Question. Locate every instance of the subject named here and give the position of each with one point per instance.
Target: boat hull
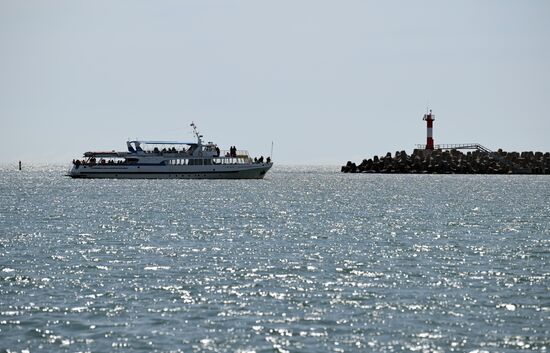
(256, 171)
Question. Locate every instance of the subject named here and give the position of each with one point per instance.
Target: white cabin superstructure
(171, 159)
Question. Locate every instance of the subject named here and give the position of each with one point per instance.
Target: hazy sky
(327, 81)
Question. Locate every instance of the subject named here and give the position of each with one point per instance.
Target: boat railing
(238, 154)
(101, 162)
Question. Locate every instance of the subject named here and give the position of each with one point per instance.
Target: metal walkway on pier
(474, 146)
(459, 146)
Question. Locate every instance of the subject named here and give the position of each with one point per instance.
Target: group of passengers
(261, 159)
(93, 161)
(167, 150)
(232, 151)
(78, 162)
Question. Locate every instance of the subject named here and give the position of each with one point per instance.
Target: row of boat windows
(210, 161)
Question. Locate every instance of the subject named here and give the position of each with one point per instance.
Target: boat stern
(74, 171)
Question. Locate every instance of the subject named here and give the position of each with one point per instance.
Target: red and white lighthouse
(429, 123)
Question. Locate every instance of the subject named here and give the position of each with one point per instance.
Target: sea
(306, 260)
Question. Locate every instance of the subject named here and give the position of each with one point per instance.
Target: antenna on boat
(196, 132)
(271, 155)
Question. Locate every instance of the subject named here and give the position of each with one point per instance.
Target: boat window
(207, 162)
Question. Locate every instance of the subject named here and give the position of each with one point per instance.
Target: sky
(325, 81)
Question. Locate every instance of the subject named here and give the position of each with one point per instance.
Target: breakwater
(454, 162)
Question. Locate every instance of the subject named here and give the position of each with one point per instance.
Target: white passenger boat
(171, 159)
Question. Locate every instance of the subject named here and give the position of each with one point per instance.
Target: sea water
(306, 260)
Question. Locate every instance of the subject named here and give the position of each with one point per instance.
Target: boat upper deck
(171, 152)
(165, 152)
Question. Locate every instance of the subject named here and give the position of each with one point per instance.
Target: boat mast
(196, 132)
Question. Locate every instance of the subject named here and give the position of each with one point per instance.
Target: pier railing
(473, 146)
(459, 146)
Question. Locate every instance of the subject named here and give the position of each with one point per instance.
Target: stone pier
(454, 162)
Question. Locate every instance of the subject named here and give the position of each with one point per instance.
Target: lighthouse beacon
(429, 118)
